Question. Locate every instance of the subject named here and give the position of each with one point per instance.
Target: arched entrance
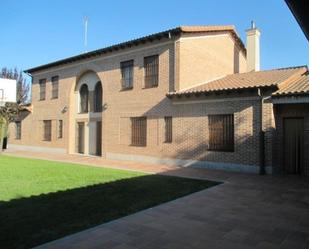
(88, 99)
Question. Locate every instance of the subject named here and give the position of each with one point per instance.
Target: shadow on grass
(28, 222)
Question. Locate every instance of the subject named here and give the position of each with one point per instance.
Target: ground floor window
(60, 129)
(221, 132)
(99, 138)
(81, 137)
(168, 129)
(47, 130)
(139, 131)
(17, 130)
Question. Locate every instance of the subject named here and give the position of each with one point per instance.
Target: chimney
(253, 48)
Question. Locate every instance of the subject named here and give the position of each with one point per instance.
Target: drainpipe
(262, 170)
(262, 137)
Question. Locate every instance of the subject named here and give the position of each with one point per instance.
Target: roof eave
(169, 34)
(291, 94)
(95, 53)
(219, 91)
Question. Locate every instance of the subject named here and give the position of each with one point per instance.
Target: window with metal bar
(55, 86)
(97, 97)
(17, 130)
(151, 67)
(139, 131)
(47, 129)
(221, 132)
(42, 84)
(60, 128)
(168, 129)
(83, 92)
(127, 74)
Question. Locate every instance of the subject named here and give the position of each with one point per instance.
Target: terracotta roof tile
(127, 44)
(299, 86)
(207, 28)
(247, 80)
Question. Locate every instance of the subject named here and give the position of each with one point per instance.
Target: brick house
(191, 96)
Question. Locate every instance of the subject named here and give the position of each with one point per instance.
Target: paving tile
(245, 212)
(266, 245)
(288, 244)
(296, 240)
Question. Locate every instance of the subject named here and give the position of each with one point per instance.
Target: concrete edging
(188, 163)
(36, 148)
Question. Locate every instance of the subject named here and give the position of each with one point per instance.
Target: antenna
(86, 33)
(252, 25)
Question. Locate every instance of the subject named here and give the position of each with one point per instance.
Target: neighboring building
(192, 95)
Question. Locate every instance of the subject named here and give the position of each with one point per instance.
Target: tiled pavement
(90, 160)
(245, 212)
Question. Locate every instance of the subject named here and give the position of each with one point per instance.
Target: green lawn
(20, 177)
(42, 200)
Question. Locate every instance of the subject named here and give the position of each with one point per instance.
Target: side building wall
(209, 56)
(53, 109)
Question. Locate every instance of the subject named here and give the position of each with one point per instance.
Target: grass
(41, 200)
(20, 177)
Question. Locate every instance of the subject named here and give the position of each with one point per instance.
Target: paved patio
(89, 160)
(245, 212)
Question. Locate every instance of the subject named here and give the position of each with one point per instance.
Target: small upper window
(42, 83)
(83, 92)
(127, 74)
(221, 132)
(55, 86)
(97, 97)
(151, 67)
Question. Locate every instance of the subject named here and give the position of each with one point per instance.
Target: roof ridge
(283, 68)
(287, 68)
(207, 26)
(268, 70)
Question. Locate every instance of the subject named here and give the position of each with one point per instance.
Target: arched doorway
(88, 95)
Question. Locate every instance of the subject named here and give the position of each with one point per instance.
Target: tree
(10, 111)
(23, 88)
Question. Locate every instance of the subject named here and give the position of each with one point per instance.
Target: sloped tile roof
(299, 86)
(207, 28)
(247, 80)
(149, 38)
